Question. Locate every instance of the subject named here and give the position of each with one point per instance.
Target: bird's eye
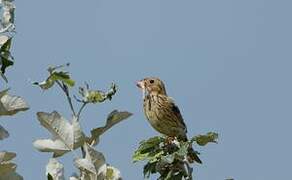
(151, 81)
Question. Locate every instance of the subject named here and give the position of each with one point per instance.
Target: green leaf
(97, 96)
(183, 150)
(5, 63)
(155, 156)
(6, 56)
(138, 156)
(64, 77)
(54, 76)
(149, 168)
(149, 149)
(168, 159)
(92, 96)
(45, 84)
(202, 140)
(147, 145)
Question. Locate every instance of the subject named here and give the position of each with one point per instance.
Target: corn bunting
(162, 113)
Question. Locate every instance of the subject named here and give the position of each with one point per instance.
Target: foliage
(68, 136)
(9, 105)
(6, 35)
(56, 76)
(168, 157)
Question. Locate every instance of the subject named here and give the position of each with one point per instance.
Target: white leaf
(93, 165)
(73, 178)
(10, 105)
(3, 133)
(78, 135)
(70, 134)
(48, 145)
(55, 169)
(8, 13)
(85, 165)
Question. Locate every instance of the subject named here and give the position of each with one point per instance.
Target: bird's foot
(169, 140)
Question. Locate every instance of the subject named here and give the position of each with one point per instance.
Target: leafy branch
(68, 136)
(169, 158)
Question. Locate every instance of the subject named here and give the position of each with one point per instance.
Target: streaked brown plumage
(161, 111)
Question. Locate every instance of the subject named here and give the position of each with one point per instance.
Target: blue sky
(226, 63)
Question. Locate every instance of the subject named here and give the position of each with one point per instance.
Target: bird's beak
(140, 84)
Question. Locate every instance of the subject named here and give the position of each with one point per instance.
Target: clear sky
(227, 64)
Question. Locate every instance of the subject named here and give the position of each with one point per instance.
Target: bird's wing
(174, 112)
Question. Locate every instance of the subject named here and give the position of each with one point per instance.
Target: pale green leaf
(113, 173)
(96, 96)
(202, 140)
(47, 84)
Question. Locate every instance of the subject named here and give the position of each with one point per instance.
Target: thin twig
(80, 110)
(66, 91)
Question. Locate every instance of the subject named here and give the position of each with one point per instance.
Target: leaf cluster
(169, 157)
(9, 105)
(55, 75)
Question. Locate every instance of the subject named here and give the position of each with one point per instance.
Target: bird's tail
(192, 154)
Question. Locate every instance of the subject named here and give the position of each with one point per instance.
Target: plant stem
(66, 91)
(80, 110)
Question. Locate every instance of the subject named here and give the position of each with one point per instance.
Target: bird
(162, 113)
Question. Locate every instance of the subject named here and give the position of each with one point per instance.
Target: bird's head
(152, 85)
